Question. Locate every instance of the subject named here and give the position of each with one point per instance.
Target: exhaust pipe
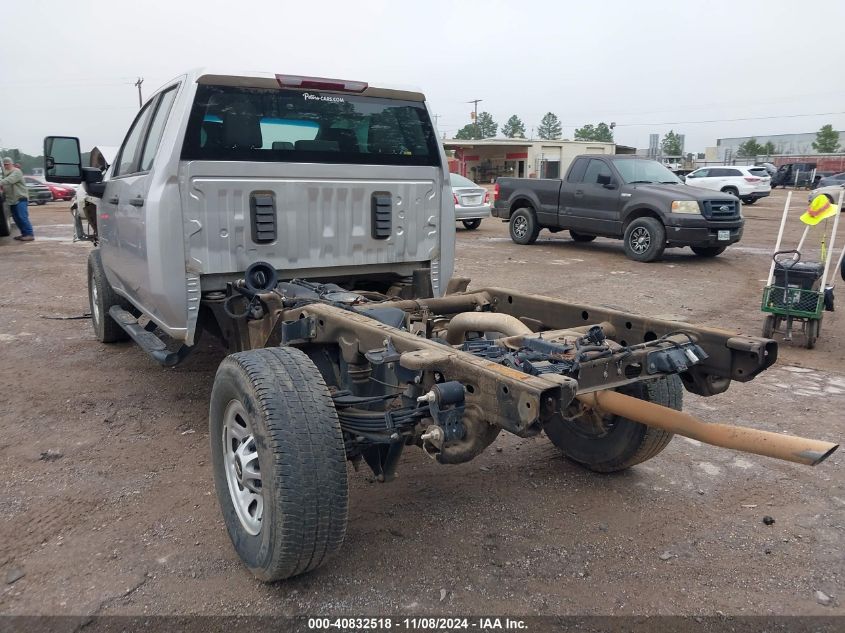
(788, 447)
(483, 322)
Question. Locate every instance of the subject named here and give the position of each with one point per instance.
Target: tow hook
(446, 405)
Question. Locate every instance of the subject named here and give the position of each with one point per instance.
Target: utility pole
(475, 115)
(436, 119)
(138, 85)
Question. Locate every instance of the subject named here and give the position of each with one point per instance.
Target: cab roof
(269, 80)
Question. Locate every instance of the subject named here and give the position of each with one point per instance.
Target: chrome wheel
(640, 240)
(243, 473)
(520, 227)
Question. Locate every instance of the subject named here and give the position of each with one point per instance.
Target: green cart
(795, 296)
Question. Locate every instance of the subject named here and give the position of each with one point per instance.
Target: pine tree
(549, 128)
(514, 128)
(827, 140)
(671, 144)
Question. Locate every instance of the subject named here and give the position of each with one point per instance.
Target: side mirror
(93, 179)
(62, 160)
(605, 181)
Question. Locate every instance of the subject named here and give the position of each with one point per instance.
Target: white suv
(749, 184)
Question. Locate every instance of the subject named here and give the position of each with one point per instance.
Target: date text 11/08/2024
(417, 624)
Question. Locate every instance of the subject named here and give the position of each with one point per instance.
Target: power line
(750, 118)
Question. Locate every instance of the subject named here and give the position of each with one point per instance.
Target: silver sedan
(472, 203)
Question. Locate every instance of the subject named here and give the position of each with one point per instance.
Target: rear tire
(769, 326)
(645, 239)
(471, 225)
(279, 461)
(581, 237)
(626, 442)
(523, 227)
(733, 191)
(708, 251)
(101, 297)
(812, 327)
(749, 201)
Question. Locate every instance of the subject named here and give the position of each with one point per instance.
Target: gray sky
(69, 69)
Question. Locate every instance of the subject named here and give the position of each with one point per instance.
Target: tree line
(549, 128)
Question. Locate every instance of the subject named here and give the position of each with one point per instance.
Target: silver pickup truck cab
(323, 179)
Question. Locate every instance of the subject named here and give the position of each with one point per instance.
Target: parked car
(832, 179)
(472, 203)
(39, 193)
(749, 184)
(831, 191)
(633, 199)
(57, 192)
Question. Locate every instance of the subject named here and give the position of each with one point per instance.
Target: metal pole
(803, 237)
(832, 239)
(475, 102)
(780, 236)
(138, 85)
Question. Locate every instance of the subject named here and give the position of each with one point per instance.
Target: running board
(147, 340)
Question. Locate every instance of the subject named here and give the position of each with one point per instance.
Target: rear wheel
(523, 226)
(731, 190)
(812, 327)
(749, 200)
(471, 225)
(608, 443)
(708, 251)
(581, 237)
(769, 326)
(101, 297)
(279, 461)
(645, 239)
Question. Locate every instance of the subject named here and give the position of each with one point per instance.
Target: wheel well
(730, 189)
(519, 204)
(636, 214)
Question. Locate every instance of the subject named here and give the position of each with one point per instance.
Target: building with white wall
(485, 160)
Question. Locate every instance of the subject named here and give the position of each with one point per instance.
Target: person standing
(17, 197)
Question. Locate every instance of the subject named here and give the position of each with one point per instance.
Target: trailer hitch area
(446, 404)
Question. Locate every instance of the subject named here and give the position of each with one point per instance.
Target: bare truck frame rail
(579, 354)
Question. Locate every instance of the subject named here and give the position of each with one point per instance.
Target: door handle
(579, 193)
(114, 200)
(137, 202)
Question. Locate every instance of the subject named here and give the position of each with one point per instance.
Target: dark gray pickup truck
(623, 197)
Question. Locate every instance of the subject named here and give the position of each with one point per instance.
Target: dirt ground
(107, 502)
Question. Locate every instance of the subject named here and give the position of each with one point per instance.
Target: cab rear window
(252, 124)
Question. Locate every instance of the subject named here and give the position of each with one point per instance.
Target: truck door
(596, 201)
(566, 203)
(126, 194)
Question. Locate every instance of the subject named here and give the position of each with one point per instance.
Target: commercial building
(485, 160)
(785, 144)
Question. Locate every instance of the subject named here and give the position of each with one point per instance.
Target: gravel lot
(107, 503)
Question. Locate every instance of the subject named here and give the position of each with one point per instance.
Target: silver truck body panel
(184, 227)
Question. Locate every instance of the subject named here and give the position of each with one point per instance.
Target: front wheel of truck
(645, 239)
(608, 443)
(101, 297)
(279, 461)
(523, 226)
